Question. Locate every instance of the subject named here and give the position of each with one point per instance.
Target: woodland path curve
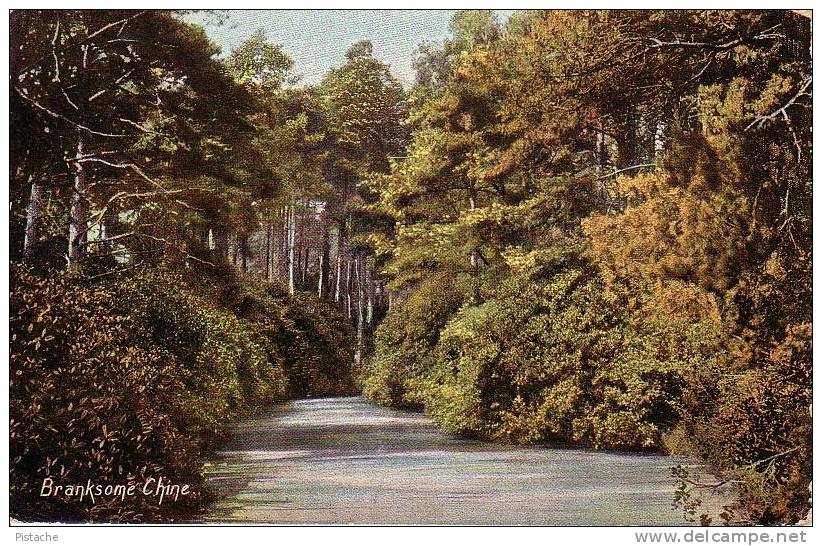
(344, 461)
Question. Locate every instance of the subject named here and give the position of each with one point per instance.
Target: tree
(124, 108)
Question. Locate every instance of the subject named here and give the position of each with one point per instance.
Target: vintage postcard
(410, 267)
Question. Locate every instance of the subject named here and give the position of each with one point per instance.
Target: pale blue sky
(318, 39)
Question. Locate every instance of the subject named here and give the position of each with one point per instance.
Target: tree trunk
(291, 248)
(369, 291)
(34, 214)
(268, 229)
(627, 142)
(322, 282)
(348, 286)
(338, 287)
(306, 257)
(221, 241)
(360, 319)
(231, 248)
(243, 246)
(282, 263)
(78, 221)
(333, 245)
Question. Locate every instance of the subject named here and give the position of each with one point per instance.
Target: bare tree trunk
(34, 213)
(659, 139)
(231, 248)
(268, 229)
(333, 245)
(348, 285)
(243, 246)
(369, 291)
(291, 248)
(627, 142)
(304, 269)
(360, 320)
(338, 287)
(221, 241)
(472, 203)
(282, 263)
(78, 221)
(322, 282)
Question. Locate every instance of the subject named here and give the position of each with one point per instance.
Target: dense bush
(311, 339)
(406, 338)
(227, 368)
(754, 429)
(547, 358)
(91, 398)
(134, 377)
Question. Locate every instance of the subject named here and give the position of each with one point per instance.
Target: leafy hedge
(135, 377)
(406, 338)
(91, 398)
(547, 359)
(551, 356)
(309, 337)
(226, 367)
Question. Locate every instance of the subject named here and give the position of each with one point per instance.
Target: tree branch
(631, 168)
(761, 119)
(64, 118)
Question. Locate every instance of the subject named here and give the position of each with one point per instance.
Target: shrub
(225, 366)
(548, 359)
(757, 432)
(91, 399)
(310, 339)
(132, 378)
(405, 339)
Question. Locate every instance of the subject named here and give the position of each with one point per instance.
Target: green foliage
(366, 106)
(310, 339)
(259, 62)
(548, 360)
(134, 377)
(92, 398)
(628, 197)
(596, 226)
(405, 339)
(226, 365)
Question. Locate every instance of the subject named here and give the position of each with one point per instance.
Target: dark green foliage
(226, 366)
(405, 339)
(134, 377)
(91, 398)
(545, 359)
(313, 340)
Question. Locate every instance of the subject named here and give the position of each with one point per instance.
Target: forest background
(581, 228)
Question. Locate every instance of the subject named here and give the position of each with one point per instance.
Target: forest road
(343, 461)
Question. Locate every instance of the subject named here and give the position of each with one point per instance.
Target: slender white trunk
(321, 279)
(348, 285)
(369, 290)
(360, 320)
(34, 213)
(291, 249)
(78, 221)
(338, 287)
(268, 269)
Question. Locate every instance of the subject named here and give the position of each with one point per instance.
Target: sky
(317, 39)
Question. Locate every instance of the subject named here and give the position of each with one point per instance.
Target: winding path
(341, 460)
